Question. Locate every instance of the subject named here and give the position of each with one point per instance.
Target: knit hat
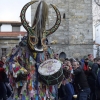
(85, 57)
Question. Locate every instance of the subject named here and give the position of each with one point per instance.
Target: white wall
(97, 34)
(6, 28)
(96, 38)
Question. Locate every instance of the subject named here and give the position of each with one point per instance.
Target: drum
(51, 72)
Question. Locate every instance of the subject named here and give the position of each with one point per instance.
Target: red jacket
(1, 70)
(1, 74)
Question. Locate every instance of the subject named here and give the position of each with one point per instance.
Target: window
(4, 51)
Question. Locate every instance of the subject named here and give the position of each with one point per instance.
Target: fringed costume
(34, 73)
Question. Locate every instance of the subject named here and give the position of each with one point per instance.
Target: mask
(37, 34)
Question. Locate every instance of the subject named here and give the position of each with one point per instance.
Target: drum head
(49, 67)
(50, 72)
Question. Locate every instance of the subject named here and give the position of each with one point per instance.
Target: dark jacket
(94, 70)
(80, 78)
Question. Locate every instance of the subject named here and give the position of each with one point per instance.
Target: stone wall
(74, 36)
(8, 44)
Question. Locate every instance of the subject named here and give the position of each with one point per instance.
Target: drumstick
(59, 85)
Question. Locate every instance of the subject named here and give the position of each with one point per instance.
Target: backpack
(98, 78)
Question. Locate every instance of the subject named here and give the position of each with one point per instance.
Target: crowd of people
(81, 79)
(5, 87)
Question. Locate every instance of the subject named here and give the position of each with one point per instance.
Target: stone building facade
(9, 38)
(75, 34)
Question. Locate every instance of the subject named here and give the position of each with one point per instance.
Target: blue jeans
(3, 91)
(84, 93)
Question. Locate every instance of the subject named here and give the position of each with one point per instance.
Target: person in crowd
(95, 67)
(91, 60)
(86, 67)
(61, 90)
(56, 56)
(81, 80)
(72, 60)
(95, 60)
(66, 90)
(3, 90)
(82, 63)
(93, 82)
(3, 59)
(67, 86)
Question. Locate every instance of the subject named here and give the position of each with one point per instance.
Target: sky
(10, 10)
